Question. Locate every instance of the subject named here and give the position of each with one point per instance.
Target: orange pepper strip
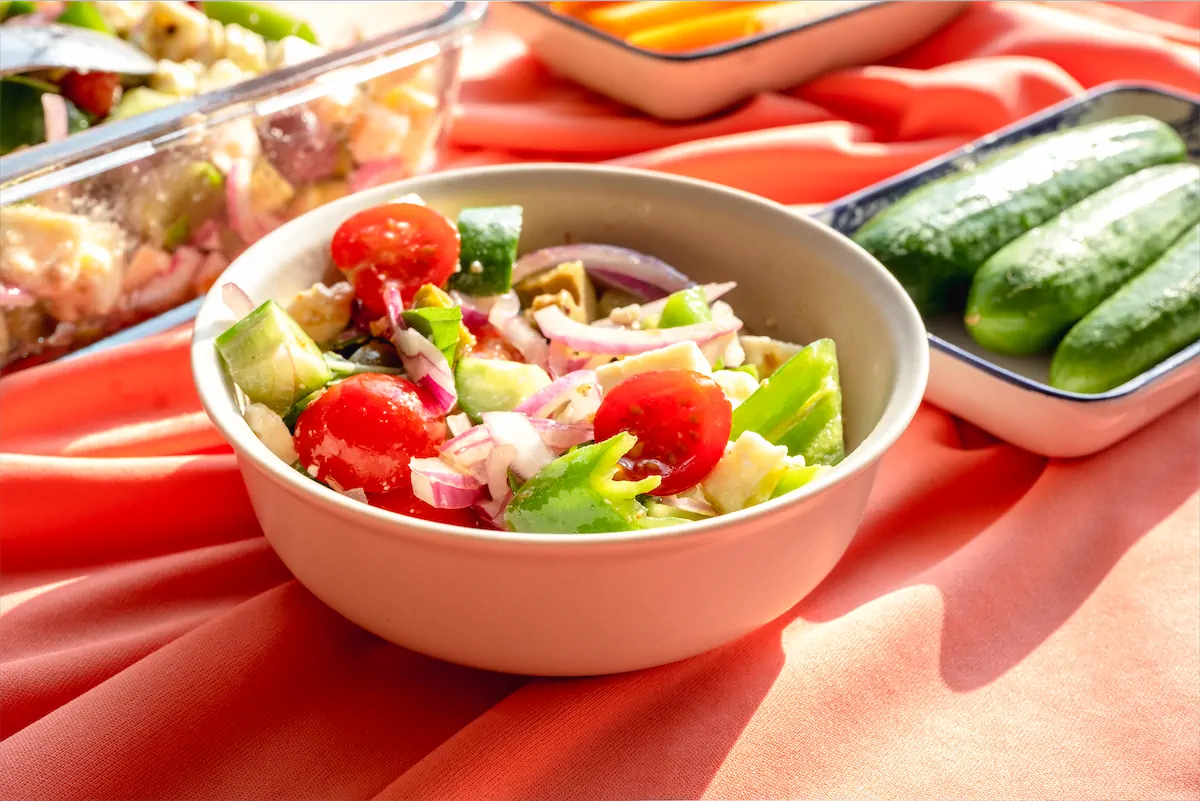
(622, 19)
(576, 9)
(739, 23)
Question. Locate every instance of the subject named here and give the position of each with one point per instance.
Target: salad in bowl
(581, 388)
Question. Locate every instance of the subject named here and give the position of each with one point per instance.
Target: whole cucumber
(934, 239)
(1153, 316)
(1026, 296)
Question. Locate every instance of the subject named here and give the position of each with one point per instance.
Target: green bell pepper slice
(439, 326)
(799, 406)
(267, 22)
(578, 494)
(84, 14)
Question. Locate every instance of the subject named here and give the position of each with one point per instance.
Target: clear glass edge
(24, 174)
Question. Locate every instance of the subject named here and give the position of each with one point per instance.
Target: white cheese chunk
(680, 356)
(736, 385)
(767, 354)
(72, 264)
(746, 475)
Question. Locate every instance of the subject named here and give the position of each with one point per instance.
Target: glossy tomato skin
(93, 92)
(489, 344)
(403, 243)
(403, 501)
(681, 420)
(362, 432)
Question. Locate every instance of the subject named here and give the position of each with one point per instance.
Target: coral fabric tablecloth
(1003, 626)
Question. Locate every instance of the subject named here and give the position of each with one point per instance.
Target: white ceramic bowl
(589, 604)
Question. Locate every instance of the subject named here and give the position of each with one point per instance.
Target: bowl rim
(702, 53)
(899, 410)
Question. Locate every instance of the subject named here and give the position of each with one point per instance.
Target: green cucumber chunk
(21, 110)
(796, 476)
(267, 22)
(84, 14)
(271, 359)
(139, 100)
(341, 367)
(685, 307)
(173, 200)
(1029, 294)
(495, 385)
(799, 406)
(935, 238)
(749, 369)
(439, 325)
(489, 247)
(1152, 317)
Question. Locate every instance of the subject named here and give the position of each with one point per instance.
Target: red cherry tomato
(489, 344)
(681, 420)
(402, 501)
(93, 92)
(363, 431)
(403, 243)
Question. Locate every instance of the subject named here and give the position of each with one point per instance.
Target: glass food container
(117, 224)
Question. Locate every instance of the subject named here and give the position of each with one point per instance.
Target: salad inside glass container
(577, 389)
(166, 200)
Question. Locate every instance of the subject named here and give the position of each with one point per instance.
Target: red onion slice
(54, 116)
(711, 293)
(618, 267)
(424, 363)
(573, 388)
(697, 506)
(624, 342)
(561, 436)
(515, 430)
(499, 459)
(458, 424)
(236, 299)
(492, 512)
(441, 486)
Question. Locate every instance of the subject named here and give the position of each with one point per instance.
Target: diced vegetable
(267, 22)
(140, 100)
(440, 326)
(271, 431)
(84, 14)
(341, 367)
(489, 238)
(800, 406)
(746, 475)
(796, 476)
(271, 359)
(23, 114)
(492, 385)
(578, 494)
(685, 307)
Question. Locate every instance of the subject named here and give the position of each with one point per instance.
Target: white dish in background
(575, 604)
(679, 86)
(1009, 396)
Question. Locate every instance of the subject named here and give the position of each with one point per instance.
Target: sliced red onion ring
(441, 486)
(13, 297)
(54, 116)
(356, 494)
(505, 316)
(580, 387)
(492, 512)
(499, 459)
(624, 342)
(503, 308)
(622, 268)
(515, 430)
(238, 202)
(207, 236)
(697, 506)
(236, 299)
(711, 293)
(561, 436)
(424, 363)
(458, 423)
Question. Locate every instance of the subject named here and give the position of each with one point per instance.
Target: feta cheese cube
(746, 475)
(736, 385)
(767, 354)
(680, 356)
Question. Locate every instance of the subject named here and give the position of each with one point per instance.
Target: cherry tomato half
(93, 92)
(403, 243)
(489, 344)
(403, 501)
(362, 432)
(681, 420)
